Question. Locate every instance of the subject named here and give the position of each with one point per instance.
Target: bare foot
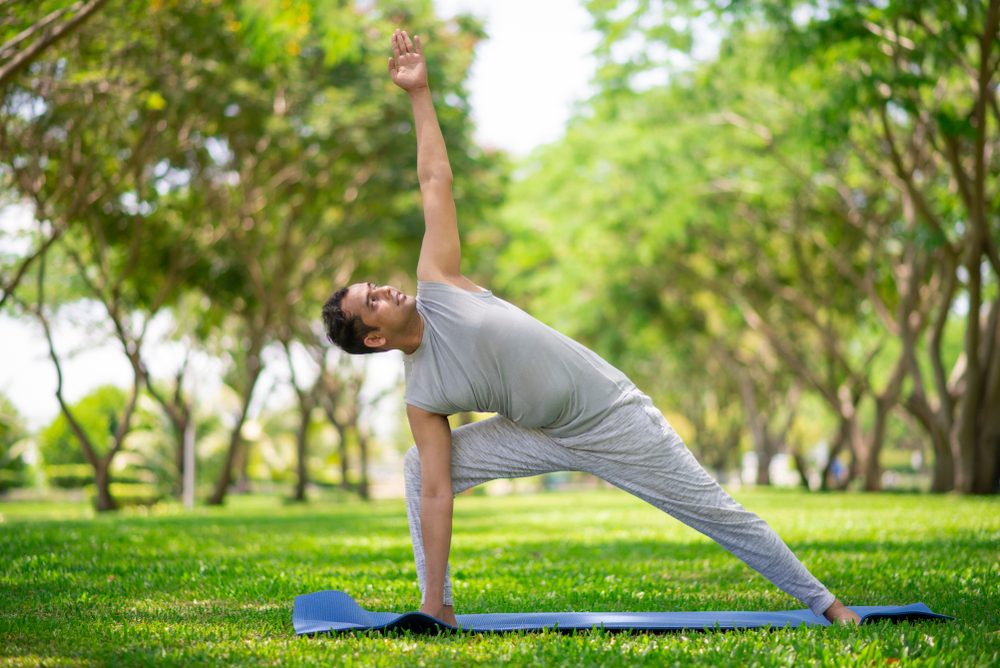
(839, 614)
(446, 614)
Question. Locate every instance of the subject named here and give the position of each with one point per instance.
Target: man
(560, 406)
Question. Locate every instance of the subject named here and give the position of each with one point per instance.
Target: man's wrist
(417, 91)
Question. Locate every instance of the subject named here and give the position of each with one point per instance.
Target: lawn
(215, 587)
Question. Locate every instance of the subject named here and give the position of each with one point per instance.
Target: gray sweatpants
(635, 449)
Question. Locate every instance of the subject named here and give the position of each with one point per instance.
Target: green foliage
(280, 115)
(786, 214)
(12, 435)
(230, 160)
(216, 588)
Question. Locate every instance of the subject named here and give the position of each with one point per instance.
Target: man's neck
(414, 336)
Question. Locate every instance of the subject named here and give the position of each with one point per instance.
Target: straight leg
(636, 450)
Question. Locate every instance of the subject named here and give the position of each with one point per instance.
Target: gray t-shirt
(480, 353)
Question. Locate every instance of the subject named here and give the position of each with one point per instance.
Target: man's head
(366, 318)
(344, 329)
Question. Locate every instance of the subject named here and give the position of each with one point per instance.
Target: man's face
(380, 306)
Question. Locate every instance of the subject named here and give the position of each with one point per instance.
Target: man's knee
(411, 464)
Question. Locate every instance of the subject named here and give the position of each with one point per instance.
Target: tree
(91, 432)
(349, 410)
(307, 398)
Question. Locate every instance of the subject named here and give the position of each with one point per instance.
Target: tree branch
(89, 451)
(22, 270)
(50, 37)
(38, 25)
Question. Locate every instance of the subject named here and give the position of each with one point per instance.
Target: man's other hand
(838, 613)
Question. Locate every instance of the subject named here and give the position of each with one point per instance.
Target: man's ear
(374, 340)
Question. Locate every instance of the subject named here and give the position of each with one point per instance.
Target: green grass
(215, 587)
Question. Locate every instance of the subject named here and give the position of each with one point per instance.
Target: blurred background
(781, 219)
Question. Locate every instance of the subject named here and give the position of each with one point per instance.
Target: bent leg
(480, 452)
(636, 450)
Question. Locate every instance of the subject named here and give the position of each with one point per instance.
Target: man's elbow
(435, 493)
(441, 178)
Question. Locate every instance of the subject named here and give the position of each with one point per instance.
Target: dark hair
(343, 329)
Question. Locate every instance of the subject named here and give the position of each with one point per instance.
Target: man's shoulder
(447, 295)
(458, 282)
(452, 316)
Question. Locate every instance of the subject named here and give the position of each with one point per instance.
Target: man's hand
(407, 66)
(838, 613)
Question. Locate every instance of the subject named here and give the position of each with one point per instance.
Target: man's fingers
(402, 46)
(396, 38)
(392, 68)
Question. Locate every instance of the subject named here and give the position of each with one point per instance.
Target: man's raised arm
(441, 251)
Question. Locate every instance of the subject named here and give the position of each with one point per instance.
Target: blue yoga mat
(334, 611)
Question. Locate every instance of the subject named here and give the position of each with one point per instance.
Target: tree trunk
(363, 491)
(225, 476)
(967, 432)
(179, 460)
(302, 450)
(179, 413)
(762, 442)
(344, 461)
(102, 482)
(800, 466)
(235, 440)
(944, 463)
(884, 403)
(843, 439)
(729, 443)
(827, 481)
(987, 465)
(764, 456)
(943, 479)
(243, 482)
(345, 467)
(307, 401)
(179, 424)
(872, 470)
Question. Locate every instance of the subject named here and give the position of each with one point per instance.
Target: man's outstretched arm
(441, 251)
(433, 438)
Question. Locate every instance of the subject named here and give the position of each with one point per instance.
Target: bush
(12, 431)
